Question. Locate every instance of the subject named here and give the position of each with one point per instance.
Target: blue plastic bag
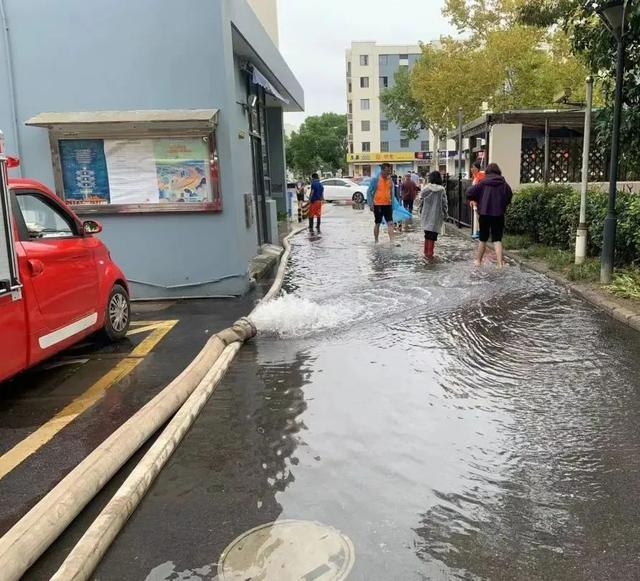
(400, 213)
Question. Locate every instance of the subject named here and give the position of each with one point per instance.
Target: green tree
(592, 42)
(512, 56)
(319, 145)
(509, 68)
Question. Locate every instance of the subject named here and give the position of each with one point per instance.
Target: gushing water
(293, 316)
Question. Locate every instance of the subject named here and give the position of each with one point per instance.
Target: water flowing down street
(451, 423)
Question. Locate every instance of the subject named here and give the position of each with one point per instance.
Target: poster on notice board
(132, 171)
(84, 171)
(136, 171)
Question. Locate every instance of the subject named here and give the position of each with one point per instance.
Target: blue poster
(84, 171)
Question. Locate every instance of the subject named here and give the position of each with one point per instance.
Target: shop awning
(260, 79)
(143, 118)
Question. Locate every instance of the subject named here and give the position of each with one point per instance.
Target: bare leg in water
(499, 254)
(376, 231)
(482, 248)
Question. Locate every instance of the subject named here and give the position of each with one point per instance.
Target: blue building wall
(393, 135)
(147, 54)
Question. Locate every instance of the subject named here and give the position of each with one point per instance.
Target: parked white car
(339, 190)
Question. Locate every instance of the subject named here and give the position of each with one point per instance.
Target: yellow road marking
(144, 329)
(63, 418)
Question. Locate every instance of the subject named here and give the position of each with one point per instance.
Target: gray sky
(314, 35)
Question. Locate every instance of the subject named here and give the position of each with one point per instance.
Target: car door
(343, 190)
(60, 264)
(329, 189)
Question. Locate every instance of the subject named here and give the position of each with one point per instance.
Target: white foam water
(292, 316)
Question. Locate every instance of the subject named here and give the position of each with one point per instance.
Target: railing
(459, 210)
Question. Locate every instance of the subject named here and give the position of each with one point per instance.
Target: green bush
(626, 284)
(549, 215)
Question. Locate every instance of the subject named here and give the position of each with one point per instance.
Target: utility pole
(581, 235)
(460, 167)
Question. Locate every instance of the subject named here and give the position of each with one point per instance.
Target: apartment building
(370, 69)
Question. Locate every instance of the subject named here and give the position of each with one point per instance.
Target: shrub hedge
(550, 216)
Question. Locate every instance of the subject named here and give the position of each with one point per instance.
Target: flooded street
(453, 423)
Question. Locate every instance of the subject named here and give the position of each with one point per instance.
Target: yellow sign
(377, 157)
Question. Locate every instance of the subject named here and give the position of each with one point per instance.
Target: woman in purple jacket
(493, 196)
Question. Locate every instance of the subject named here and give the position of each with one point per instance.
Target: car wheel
(358, 198)
(118, 316)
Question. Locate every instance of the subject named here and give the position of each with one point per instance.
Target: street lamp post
(613, 16)
(460, 167)
(581, 234)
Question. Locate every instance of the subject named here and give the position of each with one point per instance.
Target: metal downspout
(11, 83)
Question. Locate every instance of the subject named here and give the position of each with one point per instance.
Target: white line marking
(47, 341)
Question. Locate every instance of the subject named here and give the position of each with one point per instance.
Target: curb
(627, 316)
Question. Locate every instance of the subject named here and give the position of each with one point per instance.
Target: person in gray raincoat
(434, 210)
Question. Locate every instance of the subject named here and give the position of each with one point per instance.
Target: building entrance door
(259, 189)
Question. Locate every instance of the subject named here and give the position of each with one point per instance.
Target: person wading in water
(379, 199)
(492, 195)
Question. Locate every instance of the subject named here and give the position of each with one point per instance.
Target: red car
(67, 286)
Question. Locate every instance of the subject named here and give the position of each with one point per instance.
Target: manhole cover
(288, 550)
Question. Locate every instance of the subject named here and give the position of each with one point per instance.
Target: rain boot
(428, 249)
(432, 246)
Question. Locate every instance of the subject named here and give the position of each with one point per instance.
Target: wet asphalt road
(33, 398)
(454, 423)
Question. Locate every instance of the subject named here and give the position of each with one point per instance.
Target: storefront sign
(379, 157)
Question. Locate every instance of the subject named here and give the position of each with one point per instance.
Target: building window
(364, 60)
(384, 146)
(364, 104)
(348, 68)
(350, 128)
(351, 148)
(349, 86)
(384, 125)
(383, 60)
(107, 172)
(364, 82)
(384, 82)
(404, 57)
(365, 125)
(404, 143)
(366, 146)
(424, 146)
(350, 107)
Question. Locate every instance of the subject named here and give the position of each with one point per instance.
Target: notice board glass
(145, 174)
